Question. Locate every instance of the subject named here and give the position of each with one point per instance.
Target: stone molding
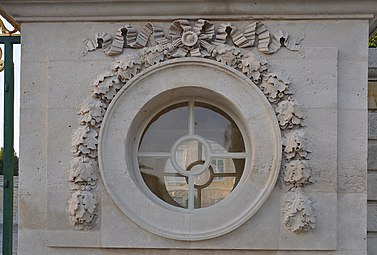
(200, 39)
(121, 10)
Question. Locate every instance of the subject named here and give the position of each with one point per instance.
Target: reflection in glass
(226, 156)
(152, 166)
(177, 188)
(202, 179)
(221, 181)
(216, 126)
(215, 192)
(218, 167)
(153, 172)
(190, 153)
(165, 128)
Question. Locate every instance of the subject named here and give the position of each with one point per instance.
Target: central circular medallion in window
(196, 151)
(191, 154)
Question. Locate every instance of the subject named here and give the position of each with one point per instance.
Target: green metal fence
(6, 65)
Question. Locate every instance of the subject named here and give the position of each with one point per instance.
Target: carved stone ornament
(298, 212)
(82, 208)
(224, 43)
(295, 145)
(297, 173)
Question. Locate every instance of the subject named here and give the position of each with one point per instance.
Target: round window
(191, 155)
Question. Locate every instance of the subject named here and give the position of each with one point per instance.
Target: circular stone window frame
(194, 95)
(258, 118)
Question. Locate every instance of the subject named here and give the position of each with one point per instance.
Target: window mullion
(191, 118)
(191, 191)
(154, 154)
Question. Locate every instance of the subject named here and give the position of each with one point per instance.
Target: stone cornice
(120, 10)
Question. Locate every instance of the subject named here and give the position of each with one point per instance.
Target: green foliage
(15, 162)
(373, 41)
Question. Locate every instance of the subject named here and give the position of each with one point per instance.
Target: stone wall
(314, 127)
(372, 153)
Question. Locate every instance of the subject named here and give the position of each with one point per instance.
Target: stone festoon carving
(295, 145)
(298, 212)
(297, 206)
(225, 43)
(286, 113)
(82, 208)
(297, 172)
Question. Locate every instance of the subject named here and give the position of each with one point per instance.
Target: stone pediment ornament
(240, 49)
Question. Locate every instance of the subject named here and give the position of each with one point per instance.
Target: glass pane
(216, 191)
(152, 166)
(218, 128)
(219, 165)
(177, 189)
(161, 178)
(190, 154)
(202, 179)
(165, 128)
(211, 184)
(218, 183)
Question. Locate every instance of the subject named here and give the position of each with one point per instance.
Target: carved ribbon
(242, 40)
(269, 46)
(177, 28)
(126, 36)
(189, 38)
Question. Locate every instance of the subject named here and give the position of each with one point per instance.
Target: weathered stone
(295, 88)
(372, 152)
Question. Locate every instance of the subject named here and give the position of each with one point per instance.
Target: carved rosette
(237, 48)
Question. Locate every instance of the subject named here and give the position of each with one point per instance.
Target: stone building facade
(372, 217)
(192, 127)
